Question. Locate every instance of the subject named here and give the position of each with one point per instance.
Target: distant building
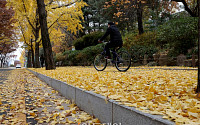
(16, 62)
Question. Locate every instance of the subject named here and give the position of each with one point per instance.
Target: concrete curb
(107, 112)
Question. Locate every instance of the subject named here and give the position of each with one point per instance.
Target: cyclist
(115, 39)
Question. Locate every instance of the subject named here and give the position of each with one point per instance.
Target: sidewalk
(24, 99)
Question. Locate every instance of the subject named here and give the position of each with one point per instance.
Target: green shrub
(178, 34)
(88, 40)
(145, 39)
(138, 51)
(12, 65)
(82, 57)
(59, 57)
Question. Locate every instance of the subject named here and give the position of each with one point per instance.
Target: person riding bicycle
(115, 39)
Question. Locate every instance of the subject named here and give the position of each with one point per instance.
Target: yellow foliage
(22, 57)
(59, 17)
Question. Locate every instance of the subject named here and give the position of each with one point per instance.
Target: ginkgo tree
(68, 15)
(61, 14)
(28, 24)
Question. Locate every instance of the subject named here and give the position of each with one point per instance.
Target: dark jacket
(115, 36)
(42, 58)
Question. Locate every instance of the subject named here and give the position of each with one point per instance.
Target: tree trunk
(48, 55)
(139, 18)
(37, 61)
(198, 84)
(37, 45)
(186, 6)
(4, 60)
(29, 59)
(32, 53)
(2, 63)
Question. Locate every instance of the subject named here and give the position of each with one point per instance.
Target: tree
(192, 8)
(72, 26)
(6, 46)
(8, 42)
(45, 36)
(94, 19)
(22, 57)
(125, 13)
(61, 15)
(28, 24)
(198, 83)
(6, 21)
(128, 13)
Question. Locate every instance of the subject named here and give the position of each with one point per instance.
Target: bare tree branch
(56, 20)
(23, 35)
(50, 2)
(186, 7)
(27, 16)
(66, 5)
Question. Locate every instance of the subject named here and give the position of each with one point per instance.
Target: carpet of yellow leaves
(165, 92)
(24, 100)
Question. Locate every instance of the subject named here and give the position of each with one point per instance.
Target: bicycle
(121, 60)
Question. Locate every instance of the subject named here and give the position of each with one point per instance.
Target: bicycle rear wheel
(100, 62)
(123, 61)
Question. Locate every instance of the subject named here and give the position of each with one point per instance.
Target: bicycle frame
(114, 53)
(100, 62)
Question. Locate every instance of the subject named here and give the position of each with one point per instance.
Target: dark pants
(42, 63)
(112, 45)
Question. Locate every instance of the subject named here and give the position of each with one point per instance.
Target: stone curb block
(56, 84)
(126, 115)
(94, 104)
(68, 91)
(109, 112)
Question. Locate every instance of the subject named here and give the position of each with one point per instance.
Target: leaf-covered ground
(166, 92)
(24, 99)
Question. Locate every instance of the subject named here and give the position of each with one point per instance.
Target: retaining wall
(109, 112)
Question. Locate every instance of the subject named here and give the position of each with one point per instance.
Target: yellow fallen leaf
(78, 121)
(60, 107)
(96, 121)
(196, 115)
(40, 121)
(74, 112)
(150, 96)
(42, 100)
(12, 107)
(45, 109)
(32, 114)
(54, 122)
(68, 121)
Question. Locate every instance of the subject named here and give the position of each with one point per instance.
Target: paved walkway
(24, 99)
(4, 74)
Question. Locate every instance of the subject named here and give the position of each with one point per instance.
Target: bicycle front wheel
(100, 62)
(123, 61)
